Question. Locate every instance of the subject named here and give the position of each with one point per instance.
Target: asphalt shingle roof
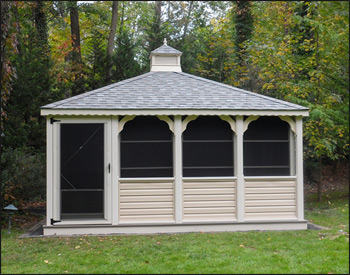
(174, 91)
(166, 49)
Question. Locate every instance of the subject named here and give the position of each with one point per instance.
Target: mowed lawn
(309, 251)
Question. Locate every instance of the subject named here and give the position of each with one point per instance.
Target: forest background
(296, 51)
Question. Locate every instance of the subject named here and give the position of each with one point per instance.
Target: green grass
(322, 251)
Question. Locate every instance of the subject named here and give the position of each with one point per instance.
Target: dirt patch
(331, 180)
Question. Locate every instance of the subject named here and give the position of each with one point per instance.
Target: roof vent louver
(165, 59)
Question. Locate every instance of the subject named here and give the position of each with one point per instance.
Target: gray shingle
(174, 91)
(166, 49)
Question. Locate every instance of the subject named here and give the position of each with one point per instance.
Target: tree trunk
(122, 17)
(187, 20)
(159, 8)
(113, 28)
(75, 32)
(319, 180)
(111, 38)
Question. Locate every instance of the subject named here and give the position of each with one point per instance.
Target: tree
(111, 38)
(301, 52)
(242, 20)
(32, 87)
(75, 31)
(77, 64)
(9, 47)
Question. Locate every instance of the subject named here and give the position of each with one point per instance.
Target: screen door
(82, 170)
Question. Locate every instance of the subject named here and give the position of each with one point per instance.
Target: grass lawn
(322, 251)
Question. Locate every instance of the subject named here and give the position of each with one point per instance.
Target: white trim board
(174, 228)
(98, 112)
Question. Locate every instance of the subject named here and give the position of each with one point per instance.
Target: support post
(299, 168)
(178, 168)
(240, 194)
(115, 170)
(49, 178)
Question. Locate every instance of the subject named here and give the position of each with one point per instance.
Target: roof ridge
(87, 94)
(242, 90)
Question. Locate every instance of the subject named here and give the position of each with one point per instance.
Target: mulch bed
(331, 181)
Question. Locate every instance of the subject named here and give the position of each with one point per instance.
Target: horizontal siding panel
(269, 202)
(140, 186)
(214, 210)
(288, 196)
(270, 190)
(270, 199)
(207, 191)
(266, 216)
(209, 217)
(150, 218)
(188, 185)
(270, 184)
(209, 198)
(153, 192)
(145, 205)
(270, 209)
(209, 204)
(156, 211)
(146, 199)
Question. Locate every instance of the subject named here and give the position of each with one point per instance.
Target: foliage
(23, 176)
(9, 47)
(301, 52)
(269, 252)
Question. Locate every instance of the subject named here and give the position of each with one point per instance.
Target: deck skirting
(64, 230)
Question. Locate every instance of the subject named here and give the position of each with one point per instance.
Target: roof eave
(172, 112)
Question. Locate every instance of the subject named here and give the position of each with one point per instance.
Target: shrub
(23, 174)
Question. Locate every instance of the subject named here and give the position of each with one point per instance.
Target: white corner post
(178, 168)
(115, 170)
(49, 178)
(299, 168)
(240, 195)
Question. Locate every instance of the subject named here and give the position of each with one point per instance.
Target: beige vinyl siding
(209, 201)
(270, 199)
(149, 201)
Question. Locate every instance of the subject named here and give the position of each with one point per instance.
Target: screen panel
(146, 148)
(82, 169)
(266, 148)
(208, 148)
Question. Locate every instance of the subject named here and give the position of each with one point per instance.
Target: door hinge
(54, 221)
(52, 120)
(109, 167)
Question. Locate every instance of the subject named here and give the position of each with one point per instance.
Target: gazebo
(168, 151)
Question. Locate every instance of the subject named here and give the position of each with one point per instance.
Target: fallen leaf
(77, 247)
(146, 262)
(241, 245)
(158, 242)
(46, 261)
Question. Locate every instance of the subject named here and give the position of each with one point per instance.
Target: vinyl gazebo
(168, 151)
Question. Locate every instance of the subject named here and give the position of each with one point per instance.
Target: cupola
(165, 59)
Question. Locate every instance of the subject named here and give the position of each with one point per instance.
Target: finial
(164, 41)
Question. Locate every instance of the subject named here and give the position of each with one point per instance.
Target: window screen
(82, 170)
(208, 148)
(266, 148)
(146, 148)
